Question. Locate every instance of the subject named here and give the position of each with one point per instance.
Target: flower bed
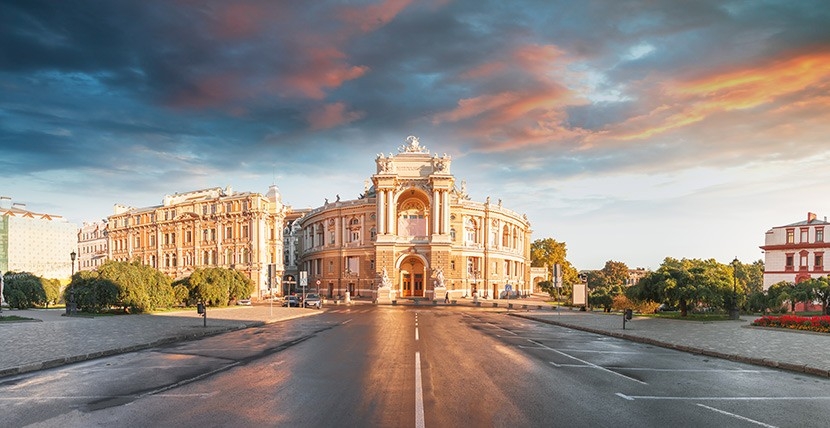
(820, 324)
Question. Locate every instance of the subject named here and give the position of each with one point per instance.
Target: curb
(689, 349)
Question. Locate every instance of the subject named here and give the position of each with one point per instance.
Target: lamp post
(733, 311)
(72, 309)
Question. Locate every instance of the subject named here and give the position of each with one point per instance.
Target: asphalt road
(403, 366)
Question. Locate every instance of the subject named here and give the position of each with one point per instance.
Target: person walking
(447, 297)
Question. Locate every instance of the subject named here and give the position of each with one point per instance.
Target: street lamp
(733, 312)
(72, 309)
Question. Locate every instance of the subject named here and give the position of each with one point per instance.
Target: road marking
(416, 334)
(654, 397)
(743, 418)
(588, 363)
(419, 393)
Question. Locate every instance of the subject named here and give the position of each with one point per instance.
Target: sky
(629, 130)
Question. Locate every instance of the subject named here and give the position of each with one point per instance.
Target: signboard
(508, 288)
(580, 295)
(303, 278)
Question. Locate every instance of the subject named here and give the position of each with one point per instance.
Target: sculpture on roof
(413, 145)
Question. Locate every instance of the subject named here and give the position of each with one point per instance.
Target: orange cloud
(530, 114)
(331, 115)
(321, 68)
(372, 17)
(792, 81)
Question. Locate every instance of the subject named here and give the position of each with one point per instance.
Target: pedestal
(385, 295)
(439, 294)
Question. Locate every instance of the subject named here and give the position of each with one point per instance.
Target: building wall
(92, 245)
(204, 228)
(414, 223)
(797, 251)
(37, 243)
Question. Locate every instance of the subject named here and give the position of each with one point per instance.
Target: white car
(313, 301)
(244, 302)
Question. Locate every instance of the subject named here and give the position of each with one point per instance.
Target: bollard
(627, 315)
(202, 310)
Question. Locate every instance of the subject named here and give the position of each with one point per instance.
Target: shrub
(818, 323)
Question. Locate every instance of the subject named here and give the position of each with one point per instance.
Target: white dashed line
(419, 393)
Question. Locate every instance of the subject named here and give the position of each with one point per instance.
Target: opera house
(413, 233)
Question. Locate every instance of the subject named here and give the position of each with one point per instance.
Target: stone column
(381, 212)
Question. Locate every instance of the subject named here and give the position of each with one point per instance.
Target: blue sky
(630, 130)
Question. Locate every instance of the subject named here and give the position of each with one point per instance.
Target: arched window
(471, 231)
(505, 237)
(412, 218)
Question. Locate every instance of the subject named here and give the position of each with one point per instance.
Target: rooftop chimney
(810, 217)
(5, 202)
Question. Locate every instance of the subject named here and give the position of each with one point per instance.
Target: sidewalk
(55, 340)
(734, 340)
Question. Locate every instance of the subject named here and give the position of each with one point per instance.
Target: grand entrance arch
(412, 276)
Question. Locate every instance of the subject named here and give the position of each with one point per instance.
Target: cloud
(332, 115)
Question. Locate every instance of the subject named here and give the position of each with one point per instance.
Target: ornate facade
(92, 245)
(205, 228)
(416, 226)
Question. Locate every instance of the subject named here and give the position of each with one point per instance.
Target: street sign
(508, 288)
(303, 278)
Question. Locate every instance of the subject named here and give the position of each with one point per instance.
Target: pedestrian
(447, 297)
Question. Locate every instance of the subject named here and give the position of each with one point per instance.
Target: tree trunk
(684, 310)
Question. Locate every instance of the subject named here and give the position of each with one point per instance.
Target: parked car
(244, 302)
(313, 301)
(291, 302)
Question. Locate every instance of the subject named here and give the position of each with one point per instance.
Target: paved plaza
(55, 339)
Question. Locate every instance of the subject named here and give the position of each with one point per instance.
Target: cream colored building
(34, 242)
(204, 228)
(92, 245)
(416, 225)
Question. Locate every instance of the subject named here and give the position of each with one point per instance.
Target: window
(804, 235)
(819, 234)
(803, 260)
(228, 232)
(819, 260)
(791, 236)
(789, 262)
(355, 236)
(245, 231)
(188, 236)
(452, 264)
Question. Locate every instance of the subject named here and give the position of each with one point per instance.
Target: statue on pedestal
(384, 279)
(439, 278)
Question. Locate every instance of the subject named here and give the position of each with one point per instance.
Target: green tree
(52, 288)
(140, 288)
(821, 289)
(751, 276)
(218, 286)
(24, 290)
(547, 253)
(93, 293)
(779, 293)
